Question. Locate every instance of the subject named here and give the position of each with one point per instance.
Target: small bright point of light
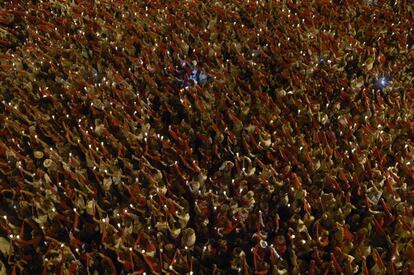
(381, 83)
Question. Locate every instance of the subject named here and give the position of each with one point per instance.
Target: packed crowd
(206, 137)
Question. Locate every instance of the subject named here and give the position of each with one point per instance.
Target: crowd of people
(206, 137)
